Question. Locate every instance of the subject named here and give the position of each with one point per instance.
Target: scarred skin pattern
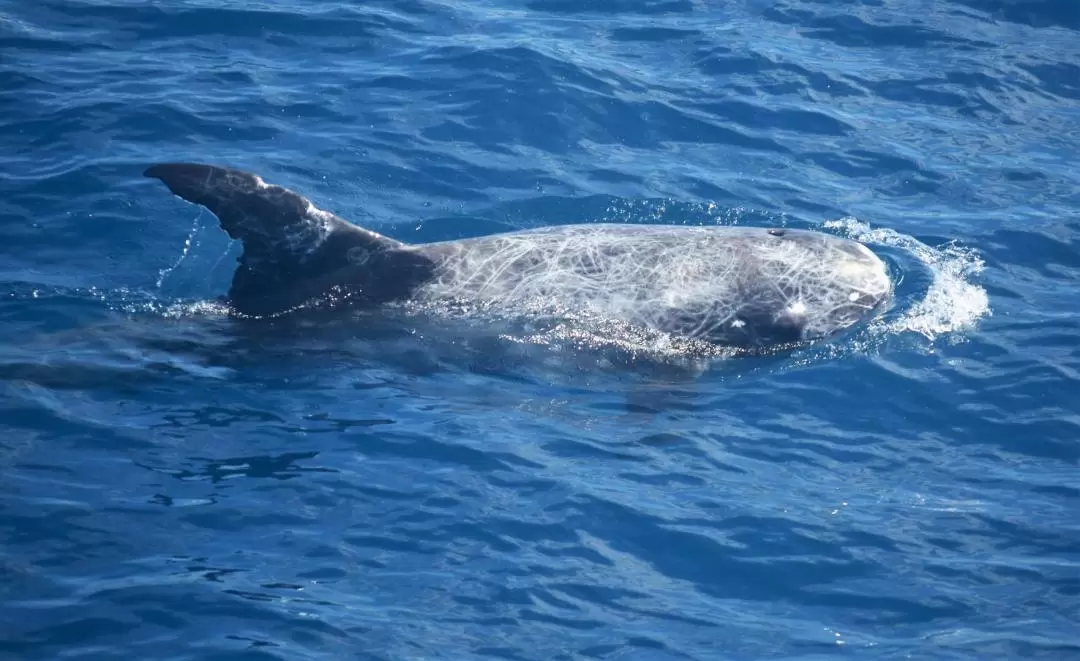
(733, 286)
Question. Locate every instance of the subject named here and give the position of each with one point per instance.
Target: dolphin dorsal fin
(284, 235)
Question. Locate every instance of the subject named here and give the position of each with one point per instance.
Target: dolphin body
(740, 287)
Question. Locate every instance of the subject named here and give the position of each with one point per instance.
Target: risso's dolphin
(745, 287)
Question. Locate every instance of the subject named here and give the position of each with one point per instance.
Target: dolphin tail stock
(286, 239)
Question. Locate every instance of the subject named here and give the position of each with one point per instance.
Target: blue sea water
(176, 485)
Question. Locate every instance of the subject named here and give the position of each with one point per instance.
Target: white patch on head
(853, 269)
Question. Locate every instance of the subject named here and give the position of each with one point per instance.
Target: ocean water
(178, 485)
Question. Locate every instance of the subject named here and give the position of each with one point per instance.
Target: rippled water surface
(180, 485)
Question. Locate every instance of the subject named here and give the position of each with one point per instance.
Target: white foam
(952, 303)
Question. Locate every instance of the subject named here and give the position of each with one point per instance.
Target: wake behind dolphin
(742, 287)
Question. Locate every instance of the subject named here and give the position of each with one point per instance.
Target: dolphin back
(734, 286)
(293, 252)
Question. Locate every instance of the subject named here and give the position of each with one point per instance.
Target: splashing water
(951, 303)
(165, 272)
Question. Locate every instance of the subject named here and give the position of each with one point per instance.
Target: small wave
(185, 309)
(952, 302)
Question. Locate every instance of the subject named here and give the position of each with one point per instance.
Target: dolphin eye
(776, 231)
(357, 255)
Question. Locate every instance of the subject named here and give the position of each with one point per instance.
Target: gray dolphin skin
(743, 287)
